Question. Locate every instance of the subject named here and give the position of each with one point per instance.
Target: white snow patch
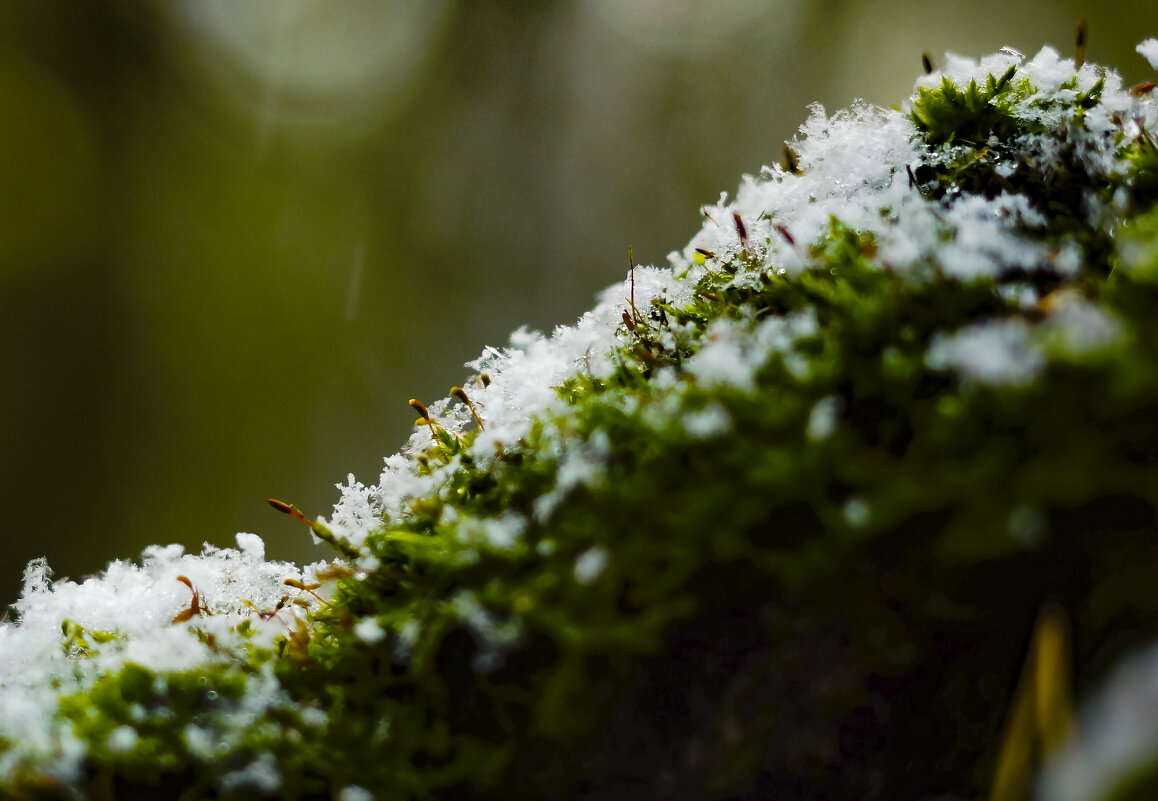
(1117, 735)
(353, 792)
(856, 511)
(711, 421)
(368, 631)
(726, 358)
(494, 636)
(499, 533)
(1078, 328)
(201, 743)
(122, 740)
(137, 604)
(996, 352)
(591, 564)
(581, 463)
(261, 774)
(823, 418)
(1149, 51)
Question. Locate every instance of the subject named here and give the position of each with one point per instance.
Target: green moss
(973, 114)
(773, 611)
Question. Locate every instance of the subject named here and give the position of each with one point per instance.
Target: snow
(1149, 51)
(122, 739)
(982, 245)
(1011, 352)
(368, 631)
(1117, 732)
(261, 774)
(353, 792)
(711, 421)
(734, 351)
(503, 533)
(856, 512)
(590, 564)
(823, 418)
(1078, 328)
(993, 352)
(1137, 254)
(493, 635)
(137, 603)
(580, 464)
(726, 359)
(201, 743)
(855, 167)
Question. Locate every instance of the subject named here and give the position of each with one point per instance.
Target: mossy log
(775, 522)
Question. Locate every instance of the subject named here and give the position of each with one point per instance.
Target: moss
(779, 608)
(972, 114)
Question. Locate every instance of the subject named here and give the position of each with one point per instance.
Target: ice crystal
(123, 616)
(1149, 51)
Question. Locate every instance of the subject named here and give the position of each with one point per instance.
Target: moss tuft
(788, 541)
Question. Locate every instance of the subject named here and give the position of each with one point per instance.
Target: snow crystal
(725, 358)
(711, 421)
(856, 512)
(524, 376)
(1078, 328)
(353, 792)
(850, 161)
(261, 774)
(315, 717)
(122, 739)
(1149, 51)
(823, 419)
(732, 353)
(1012, 352)
(252, 546)
(1068, 260)
(1117, 733)
(999, 352)
(493, 635)
(590, 564)
(407, 637)
(503, 533)
(1137, 254)
(580, 464)
(359, 510)
(780, 334)
(986, 241)
(1047, 71)
(961, 70)
(136, 604)
(140, 601)
(368, 631)
(1024, 296)
(201, 743)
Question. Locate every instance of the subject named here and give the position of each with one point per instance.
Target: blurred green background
(235, 238)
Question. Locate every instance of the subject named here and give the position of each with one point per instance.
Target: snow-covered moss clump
(771, 522)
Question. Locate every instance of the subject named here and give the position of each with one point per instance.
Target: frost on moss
(773, 522)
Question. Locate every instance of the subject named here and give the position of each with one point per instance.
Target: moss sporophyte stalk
(776, 521)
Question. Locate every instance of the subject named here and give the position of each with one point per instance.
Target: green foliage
(972, 115)
(758, 611)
